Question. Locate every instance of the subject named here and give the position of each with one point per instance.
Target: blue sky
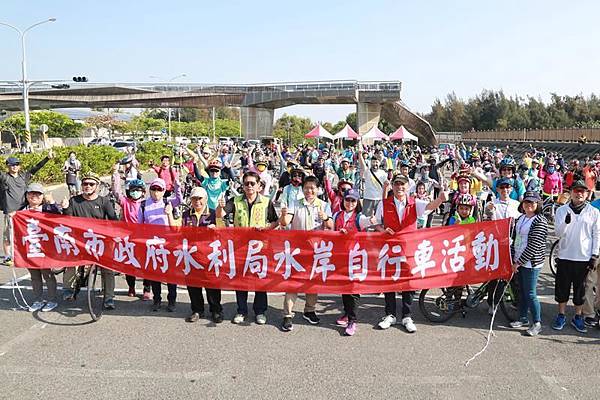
(433, 47)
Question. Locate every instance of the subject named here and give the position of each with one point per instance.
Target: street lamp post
(169, 108)
(24, 80)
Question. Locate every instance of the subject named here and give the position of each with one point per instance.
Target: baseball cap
(198, 191)
(158, 182)
(397, 177)
(35, 187)
(579, 185)
(503, 182)
(532, 196)
(13, 161)
(352, 193)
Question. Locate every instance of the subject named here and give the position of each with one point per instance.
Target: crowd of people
(381, 187)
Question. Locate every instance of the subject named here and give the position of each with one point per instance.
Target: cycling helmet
(464, 167)
(135, 183)
(215, 163)
(508, 163)
(126, 160)
(404, 163)
(465, 200)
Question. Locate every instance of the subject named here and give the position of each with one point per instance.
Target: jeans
(157, 287)
(259, 306)
(390, 303)
(528, 278)
(197, 300)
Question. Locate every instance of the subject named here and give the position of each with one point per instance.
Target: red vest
(390, 216)
(350, 225)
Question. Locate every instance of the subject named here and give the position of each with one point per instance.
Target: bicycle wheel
(94, 293)
(438, 305)
(552, 257)
(510, 301)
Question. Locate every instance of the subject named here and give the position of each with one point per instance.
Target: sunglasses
(214, 170)
(156, 189)
(88, 183)
(250, 183)
(504, 187)
(350, 200)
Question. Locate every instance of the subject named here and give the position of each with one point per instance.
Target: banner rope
(491, 329)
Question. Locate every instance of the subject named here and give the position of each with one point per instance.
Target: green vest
(258, 215)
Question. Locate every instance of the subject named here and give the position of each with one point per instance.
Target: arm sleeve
(271, 213)
(535, 240)
(38, 166)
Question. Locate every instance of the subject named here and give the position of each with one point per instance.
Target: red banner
(271, 261)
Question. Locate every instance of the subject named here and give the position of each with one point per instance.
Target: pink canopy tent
(375, 134)
(403, 134)
(319, 132)
(346, 133)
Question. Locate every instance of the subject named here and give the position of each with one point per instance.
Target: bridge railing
(536, 135)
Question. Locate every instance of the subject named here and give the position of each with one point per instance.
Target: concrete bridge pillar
(367, 116)
(257, 122)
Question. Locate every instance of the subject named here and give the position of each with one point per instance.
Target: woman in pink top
(130, 206)
(552, 186)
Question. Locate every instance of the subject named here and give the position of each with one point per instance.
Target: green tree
(293, 127)
(59, 125)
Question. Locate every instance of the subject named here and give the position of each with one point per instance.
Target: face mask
(72, 158)
(261, 167)
(296, 181)
(551, 170)
(136, 194)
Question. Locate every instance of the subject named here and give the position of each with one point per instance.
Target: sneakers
(534, 330)
(156, 305)
(350, 329)
(147, 296)
(590, 322)
(109, 304)
(193, 317)
(51, 305)
(217, 317)
(578, 323)
(342, 321)
(37, 306)
(559, 322)
(287, 325)
(131, 292)
(261, 319)
(409, 325)
(238, 319)
(311, 317)
(387, 321)
(171, 307)
(519, 324)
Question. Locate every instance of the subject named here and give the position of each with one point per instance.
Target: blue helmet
(135, 183)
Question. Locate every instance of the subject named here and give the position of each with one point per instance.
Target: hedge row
(98, 159)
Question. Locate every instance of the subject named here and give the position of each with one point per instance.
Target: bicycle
(439, 305)
(87, 276)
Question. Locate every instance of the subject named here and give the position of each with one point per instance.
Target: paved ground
(135, 353)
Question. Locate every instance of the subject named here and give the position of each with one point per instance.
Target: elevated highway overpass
(257, 102)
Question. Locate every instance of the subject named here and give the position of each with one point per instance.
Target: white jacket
(579, 239)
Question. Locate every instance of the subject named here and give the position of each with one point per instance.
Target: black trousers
(494, 292)
(213, 296)
(131, 282)
(351, 303)
(157, 287)
(390, 303)
(260, 302)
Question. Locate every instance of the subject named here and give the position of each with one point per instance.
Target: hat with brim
(352, 194)
(158, 182)
(198, 192)
(503, 182)
(399, 178)
(11, 161)
(35, 188)
(579, 185)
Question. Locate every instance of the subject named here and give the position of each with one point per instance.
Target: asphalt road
(135, 353)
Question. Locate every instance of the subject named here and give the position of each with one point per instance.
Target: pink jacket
(552, 182)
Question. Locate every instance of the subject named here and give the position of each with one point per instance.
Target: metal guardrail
(374, 86)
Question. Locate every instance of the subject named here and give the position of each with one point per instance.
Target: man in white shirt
(577, 224)
(503, 207)
(374, 180)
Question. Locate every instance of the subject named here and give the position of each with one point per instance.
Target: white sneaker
(409, 324)
(37, 306)
(535, 329)
(51, 305)
(387, 321)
